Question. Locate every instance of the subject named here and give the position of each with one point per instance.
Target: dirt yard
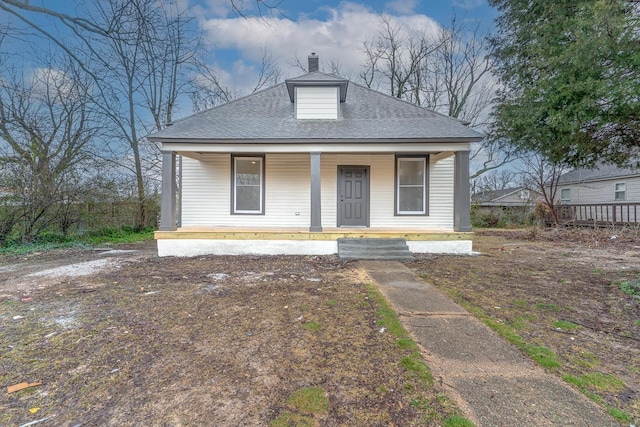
(122, 337)
(128, 339)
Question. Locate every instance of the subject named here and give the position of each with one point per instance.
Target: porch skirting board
(454, 247)
(196, 247)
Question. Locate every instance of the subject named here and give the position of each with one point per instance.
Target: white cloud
(338, 38)
(52, 83)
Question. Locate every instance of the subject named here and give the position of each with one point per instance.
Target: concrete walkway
(494, 383)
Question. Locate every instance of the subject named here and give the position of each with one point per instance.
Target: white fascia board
(369, 148)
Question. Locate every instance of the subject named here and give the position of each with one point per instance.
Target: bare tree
(207, 89)
(543, 175)
(398, 58)
(135, 52)
(138, 53)
(494, 180)
(46, 132)
(448, 71)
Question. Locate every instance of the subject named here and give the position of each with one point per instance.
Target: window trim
(261, 159)
(565, 199)
(425, 184)
(623, 191)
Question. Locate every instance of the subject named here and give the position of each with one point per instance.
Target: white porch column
(316, 208)
(168, 206)
(461, 193)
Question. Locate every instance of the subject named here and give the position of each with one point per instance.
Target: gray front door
(353, 196)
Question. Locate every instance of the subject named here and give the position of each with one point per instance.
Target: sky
(335, 30)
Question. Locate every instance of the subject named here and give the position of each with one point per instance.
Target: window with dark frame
(248, 185)
(411, 185)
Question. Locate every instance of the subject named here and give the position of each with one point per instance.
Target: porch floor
(333, 233)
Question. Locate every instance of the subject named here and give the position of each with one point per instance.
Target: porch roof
(268, 116)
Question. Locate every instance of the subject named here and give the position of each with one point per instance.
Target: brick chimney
(314, 62)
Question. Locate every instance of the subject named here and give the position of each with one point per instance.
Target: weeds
(564, 324)
(546, 306)
(47, 242)
(631, 288)
(312, 326)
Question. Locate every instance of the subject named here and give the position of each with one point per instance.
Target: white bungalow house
(293, 168)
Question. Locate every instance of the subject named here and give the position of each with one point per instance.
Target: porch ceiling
(346, 148)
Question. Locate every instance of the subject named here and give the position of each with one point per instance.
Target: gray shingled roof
(597, 173)
(269, 114)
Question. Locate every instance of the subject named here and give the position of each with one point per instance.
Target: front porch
(195, 241)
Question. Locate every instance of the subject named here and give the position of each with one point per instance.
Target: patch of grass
(289, 419)
(630, 288)
(545, 357)
(520, 303)
(304, 404)
(457, 421)
(565, 324)
(332, 303)
(586, 359)
(598, 271)
(415, 366)
(310, 401)
(422, 404)
(596, 381)
(312, 326)
(637, 322)
(387, 317)
(546, 306)
(419, 376)
(619, 415)
(521, 322)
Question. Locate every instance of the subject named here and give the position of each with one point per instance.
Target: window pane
(565, 194)
(411, 172)
(411, 199)
(248, 172)
(248, 198)
(620, 192)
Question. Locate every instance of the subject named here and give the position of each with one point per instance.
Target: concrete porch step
(374, 249)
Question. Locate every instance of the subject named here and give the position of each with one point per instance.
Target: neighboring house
(605, 193)
(506, 198)
(292, 168)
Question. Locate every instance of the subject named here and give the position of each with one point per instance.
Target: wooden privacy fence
(599, 214)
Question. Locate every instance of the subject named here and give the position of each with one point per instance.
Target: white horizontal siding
(317, 103)
(603, 191)
(206, 192)
(382, 192)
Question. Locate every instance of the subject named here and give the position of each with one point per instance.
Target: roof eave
(298, 141)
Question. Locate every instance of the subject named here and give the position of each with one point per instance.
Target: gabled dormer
(317, 96)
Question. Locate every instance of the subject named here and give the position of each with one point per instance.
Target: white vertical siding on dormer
(317, 102)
